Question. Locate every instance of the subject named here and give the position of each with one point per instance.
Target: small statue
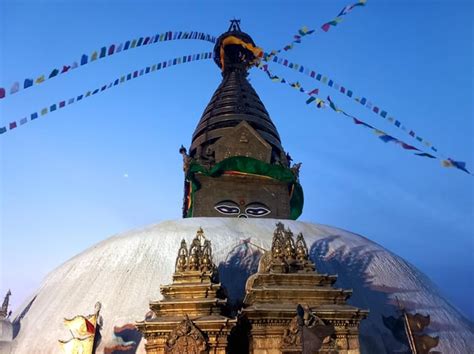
(182, 259)
(289, 250)
(296, 170)
(186, 159)
(195, 251)
(289, 159)
(206, 259)
(301, 248)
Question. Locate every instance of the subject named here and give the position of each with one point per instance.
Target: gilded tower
(236, 165)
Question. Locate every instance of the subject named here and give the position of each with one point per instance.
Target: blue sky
(64, 183)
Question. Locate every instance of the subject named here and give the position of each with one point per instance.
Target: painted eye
(257, 211)
(227, 207)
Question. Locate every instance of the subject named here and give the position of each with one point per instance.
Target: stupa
(239, 183)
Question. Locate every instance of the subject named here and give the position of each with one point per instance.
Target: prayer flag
(70, 101)
(80, 97)
(311, 99)
(12, 125)
(15, 87)
(3, 130)
(332, 105)
(127, 45)
(65, 68)
(313, 74)
(74, 65)
(319, 103)
(28, 83)
(33, 116)
(359, 122)
(94, 56)
(363, 100)
(23, 121)
(408, 147)
(376, 109)
(2, 92)
(330, 83)
(134, 44)
(52, 108)
(314, 92)
(397, 123)
(383, 114)
(119, 48)
(325, 27)
(62, 104)
(83, 59)
(451, 163)
(147, 39)
(111, 49)
(349, 93)
(103, 51)
(386, 138)
(140, 41)
(318, 77)
(424, 154)
(53, 73)
(94, 92)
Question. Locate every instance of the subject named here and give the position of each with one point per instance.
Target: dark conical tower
(236, 164)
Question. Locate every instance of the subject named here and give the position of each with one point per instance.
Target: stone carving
(4, 310)
(186, 338)
(292, 335)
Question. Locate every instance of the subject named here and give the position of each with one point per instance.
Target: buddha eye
(257, 210)
(227, 207)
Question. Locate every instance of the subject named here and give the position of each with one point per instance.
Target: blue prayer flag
(103, 52)
(84, 59)
(127, 45)
(52, 108)
(34, 116)
(28, 83)
(318, 77)
(363, 100)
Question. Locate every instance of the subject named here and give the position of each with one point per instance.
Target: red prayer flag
(65, 68)
(408, 147)
(2, 92)
(111, 49)
(12, 125)
(325, 27)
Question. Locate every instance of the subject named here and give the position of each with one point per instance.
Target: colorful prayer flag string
(350, 93)
(120, 80)
(446, 162)
(305, 31)
(104, 52)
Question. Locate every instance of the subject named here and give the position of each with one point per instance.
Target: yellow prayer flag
(94, 56)
(77, 346)
(40, 79)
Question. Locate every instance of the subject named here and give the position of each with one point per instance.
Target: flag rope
(305, 31)
(320, 103)
(359, 99)
(105, 52)
(124, 78)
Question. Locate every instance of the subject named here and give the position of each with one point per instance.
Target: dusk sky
(110, 163)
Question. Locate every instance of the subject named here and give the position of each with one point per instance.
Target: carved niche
(242, 140)
(186, 338)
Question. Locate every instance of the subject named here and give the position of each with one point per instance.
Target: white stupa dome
(125, 272)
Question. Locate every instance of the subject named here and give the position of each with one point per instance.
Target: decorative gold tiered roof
(189, 317)
(285, 280)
